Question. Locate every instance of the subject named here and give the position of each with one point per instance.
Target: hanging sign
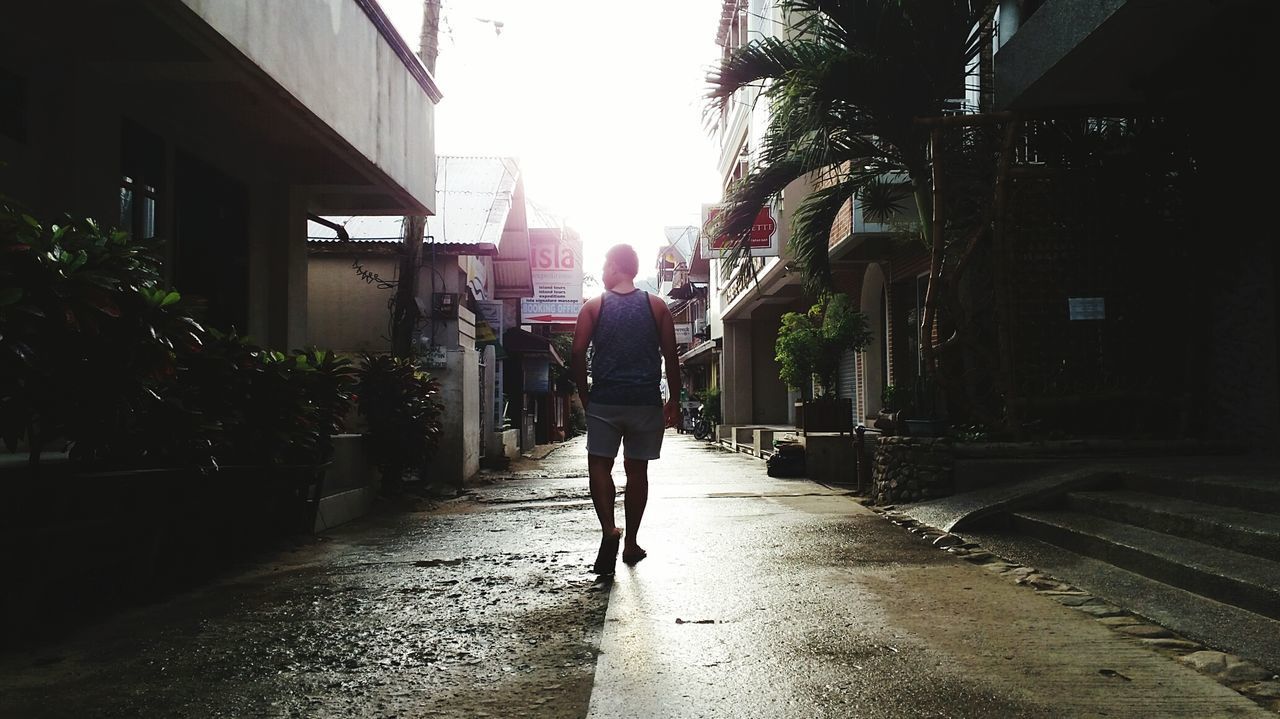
(488, 322)
(763, 238)
(549, 311)
(684, 333)
(555, 259)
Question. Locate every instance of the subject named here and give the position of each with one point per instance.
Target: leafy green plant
(971, 433)
(265, 407)
(889, 398)
(87, 338)
(95, 351)
(711, 406)
(562, 375)
(402, 408)
(810, 344)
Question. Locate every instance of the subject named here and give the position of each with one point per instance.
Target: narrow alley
(761, 597)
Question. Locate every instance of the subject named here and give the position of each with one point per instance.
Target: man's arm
(582, 333)
(667, 339)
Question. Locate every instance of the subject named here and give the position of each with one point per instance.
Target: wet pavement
(761, 597)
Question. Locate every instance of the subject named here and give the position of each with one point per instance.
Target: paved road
(761, 598)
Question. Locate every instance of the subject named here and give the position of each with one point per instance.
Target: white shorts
(639, 429)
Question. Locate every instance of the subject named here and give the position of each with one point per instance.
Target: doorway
(875, 358)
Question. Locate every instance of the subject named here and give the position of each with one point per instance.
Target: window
(142, 166)
(13, 106)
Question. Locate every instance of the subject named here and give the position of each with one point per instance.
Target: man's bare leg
(603, 492)
(637, 496)
(600, 473)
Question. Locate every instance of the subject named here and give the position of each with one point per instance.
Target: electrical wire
(372, 278)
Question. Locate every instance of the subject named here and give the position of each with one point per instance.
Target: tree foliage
(845, 88)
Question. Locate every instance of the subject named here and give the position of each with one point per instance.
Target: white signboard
(684, 333)
(555, 259)
(556, 262)
(549, 311)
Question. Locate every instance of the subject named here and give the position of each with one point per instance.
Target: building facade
(473, 271)
(220, 127)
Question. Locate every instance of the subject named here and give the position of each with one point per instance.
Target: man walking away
(630, 329)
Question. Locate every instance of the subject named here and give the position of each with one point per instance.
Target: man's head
(621, 264)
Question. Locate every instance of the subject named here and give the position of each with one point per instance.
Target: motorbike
(702, 428)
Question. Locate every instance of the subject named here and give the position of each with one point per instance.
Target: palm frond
(741, 207)
(759, 61)
(845, 89)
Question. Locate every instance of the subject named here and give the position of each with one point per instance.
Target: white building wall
(331, 58)
(458, 457)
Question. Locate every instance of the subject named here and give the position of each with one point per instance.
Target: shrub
(810, 344)
(402, 408)
(261, 406)
(94, 350)
(87, 338)
(711, 406)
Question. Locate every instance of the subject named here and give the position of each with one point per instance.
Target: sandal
(607, 557)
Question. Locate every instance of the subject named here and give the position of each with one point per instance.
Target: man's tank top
(626, 363)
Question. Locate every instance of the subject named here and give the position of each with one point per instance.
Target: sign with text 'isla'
(764, 233)
(555, 259)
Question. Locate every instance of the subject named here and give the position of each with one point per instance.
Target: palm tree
(847, 92)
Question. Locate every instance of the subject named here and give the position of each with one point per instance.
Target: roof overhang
(518, 341)
(276, 91)
(776, 285)
(702, 353)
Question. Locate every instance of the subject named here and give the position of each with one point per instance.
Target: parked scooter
(702, 428)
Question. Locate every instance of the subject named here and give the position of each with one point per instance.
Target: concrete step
(1242, 580)
(1258, 494)
(1218, 626)
(1228, 527)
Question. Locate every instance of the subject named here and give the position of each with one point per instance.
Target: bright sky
(600, 100)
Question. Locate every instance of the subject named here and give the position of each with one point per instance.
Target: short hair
(624, 258)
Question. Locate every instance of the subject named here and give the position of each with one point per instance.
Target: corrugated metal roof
(540, 216)
(512, 278)
(474, 195)
(359, 228)
(474, 198)
(683, 238)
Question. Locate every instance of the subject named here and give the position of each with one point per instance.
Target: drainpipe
(339, 229)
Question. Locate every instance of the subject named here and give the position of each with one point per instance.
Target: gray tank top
(626, 367)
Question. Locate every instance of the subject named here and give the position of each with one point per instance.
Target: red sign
(762, 230)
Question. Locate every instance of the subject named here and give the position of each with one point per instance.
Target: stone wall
(911, 469)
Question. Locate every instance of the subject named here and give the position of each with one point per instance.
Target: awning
(518, 341)
(702, 353)
(686, 291)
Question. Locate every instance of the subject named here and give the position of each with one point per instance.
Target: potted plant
(271, 417)
(922, 418)
(808, 350)
(889, 416)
